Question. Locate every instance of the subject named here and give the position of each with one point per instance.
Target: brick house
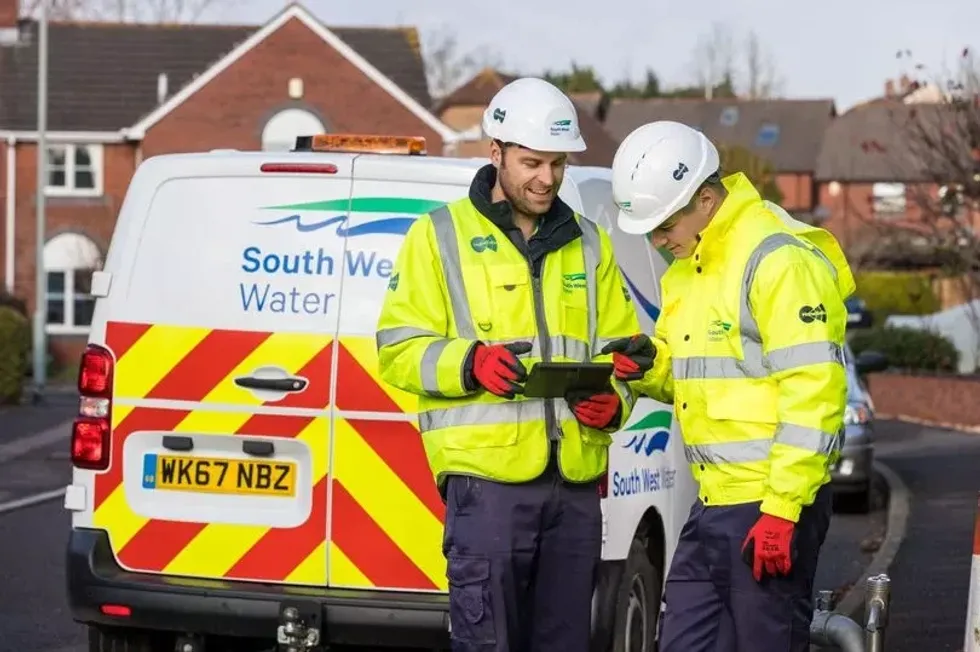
(120, 93)
(874, 172)
(463, 109)
(787, 133)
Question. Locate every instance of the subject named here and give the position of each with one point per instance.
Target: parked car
(858, 315)
(851, 476)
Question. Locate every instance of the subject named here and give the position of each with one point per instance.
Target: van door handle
(289, 384)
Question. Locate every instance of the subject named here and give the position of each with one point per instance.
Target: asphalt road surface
(34, 613)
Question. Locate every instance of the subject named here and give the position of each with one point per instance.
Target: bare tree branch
(447, 66)
(762, 81)
(714, 56)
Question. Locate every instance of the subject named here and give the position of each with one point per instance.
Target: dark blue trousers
(713, 604)
(522, 562)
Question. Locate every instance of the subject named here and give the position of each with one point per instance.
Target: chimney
(161, 86)
(9, 12)
(905, 84)
(889, 88)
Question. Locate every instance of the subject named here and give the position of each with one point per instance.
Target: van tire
(638, 597)
(113, 639)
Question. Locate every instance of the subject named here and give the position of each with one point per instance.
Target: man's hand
(632, 356)
(769, 546)
(498, 370)
(595, 410)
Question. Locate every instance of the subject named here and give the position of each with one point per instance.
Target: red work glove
(769, 545)
(497, 368)
(594, 410)
(632, 356)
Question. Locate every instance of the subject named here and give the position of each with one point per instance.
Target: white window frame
(69, 253)
(282, 129)
(96, 155)
(889, 200)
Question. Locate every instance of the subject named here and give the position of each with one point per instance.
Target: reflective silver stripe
(754, 364)
(802, 355)
(445, 230)
(811, 439)
(591, 251)
(483, 414)
(561, 346)
(731, 452)
(757, 450)
(400, 334)
(430, 365)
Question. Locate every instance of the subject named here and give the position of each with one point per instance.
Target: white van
(235, 452)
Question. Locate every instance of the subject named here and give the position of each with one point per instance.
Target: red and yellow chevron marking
(387, 517)
(364, 397)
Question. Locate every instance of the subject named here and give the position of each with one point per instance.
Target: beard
(519, 200)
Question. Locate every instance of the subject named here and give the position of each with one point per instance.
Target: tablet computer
(555, 379)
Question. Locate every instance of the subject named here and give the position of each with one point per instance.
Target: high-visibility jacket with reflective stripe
(749, 349)
(461, 280)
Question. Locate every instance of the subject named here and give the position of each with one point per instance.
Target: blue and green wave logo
(301, 220)
(650, 434)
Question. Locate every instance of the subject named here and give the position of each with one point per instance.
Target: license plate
(219, 475)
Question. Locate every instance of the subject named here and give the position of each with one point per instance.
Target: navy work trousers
(713, 604)
(522, 562)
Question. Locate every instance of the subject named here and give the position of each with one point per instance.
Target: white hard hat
(535, 114)
(656, 171)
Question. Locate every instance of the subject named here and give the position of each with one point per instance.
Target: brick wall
(798, 191)
(942, 400)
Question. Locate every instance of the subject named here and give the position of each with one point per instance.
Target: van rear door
(222, 316)
(386, 513)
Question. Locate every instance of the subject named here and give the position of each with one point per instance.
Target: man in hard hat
(748, 348)
(487, 287)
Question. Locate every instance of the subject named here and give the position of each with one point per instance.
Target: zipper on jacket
(544, 339)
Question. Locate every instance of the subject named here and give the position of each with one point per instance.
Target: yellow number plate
(219, 475)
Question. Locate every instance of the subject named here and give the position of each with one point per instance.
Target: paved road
(930, 575)
(33, 611)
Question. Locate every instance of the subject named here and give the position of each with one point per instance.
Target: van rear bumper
(244, 609)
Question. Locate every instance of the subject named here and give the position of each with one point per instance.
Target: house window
(280, 132)
(69, 261)
(768, 135)
(888, 199)
(75, 170)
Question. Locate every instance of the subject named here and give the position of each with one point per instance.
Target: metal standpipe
(876, 599)
(838, 632)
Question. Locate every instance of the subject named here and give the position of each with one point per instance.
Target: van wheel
(113, 639)
(638, 603)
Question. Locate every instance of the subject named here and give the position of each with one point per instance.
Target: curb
(928, 422)
(899, 504)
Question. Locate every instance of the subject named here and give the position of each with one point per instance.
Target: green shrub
(15, 345)
(897, 293)
(907, 348)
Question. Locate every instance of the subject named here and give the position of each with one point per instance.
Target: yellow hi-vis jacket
(750, 351)
(460, 280)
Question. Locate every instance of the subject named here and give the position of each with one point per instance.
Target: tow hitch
(299, 627)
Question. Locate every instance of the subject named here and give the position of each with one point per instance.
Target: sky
(841, 49)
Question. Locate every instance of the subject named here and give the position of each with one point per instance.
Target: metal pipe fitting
(833, 630)
(876, 599)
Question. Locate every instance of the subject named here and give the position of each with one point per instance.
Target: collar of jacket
(500, 213)
(741, 194)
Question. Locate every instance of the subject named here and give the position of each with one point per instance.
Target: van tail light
(299, 168)
(90, 433)
(603, 485)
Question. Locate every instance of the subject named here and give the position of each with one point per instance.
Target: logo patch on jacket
(485, 243)
(718, 330)
(393, 281)
(573, 281)
(810, 314)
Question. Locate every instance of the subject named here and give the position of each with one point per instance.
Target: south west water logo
(369, 205)
(650, 434)
(484, 243)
